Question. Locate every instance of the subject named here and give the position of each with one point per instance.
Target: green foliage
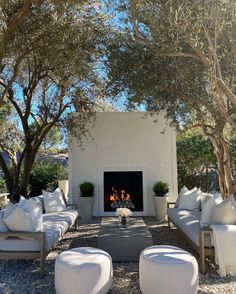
(45, 176)
(3, 188)
(86, 189)
(160, 188)
(52, 140)
(177, 60)
(195, 158)
(51, 58)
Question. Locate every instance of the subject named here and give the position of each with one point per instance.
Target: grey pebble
(22, 277)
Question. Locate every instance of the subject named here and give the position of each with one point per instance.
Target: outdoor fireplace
(123, 189)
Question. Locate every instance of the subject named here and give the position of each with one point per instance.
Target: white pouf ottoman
(83, 270)
(167, 270)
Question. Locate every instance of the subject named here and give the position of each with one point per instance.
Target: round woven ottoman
(167, 270)
(83, 270)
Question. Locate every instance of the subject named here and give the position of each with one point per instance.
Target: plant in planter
(160, 189)
(160, 199)
(86, 189)
(86, 200)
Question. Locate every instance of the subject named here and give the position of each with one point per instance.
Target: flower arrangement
(123, 212)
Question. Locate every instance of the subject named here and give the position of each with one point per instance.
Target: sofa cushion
(224, 213)
(39, 201)
(55, 225)
(232, 200)
(189, 223)
(203, 198)
(9, 208)
(3, 227)
(35, 212)
(209, 203)
(190, 200)
(19, 220)
(53, 202)
(181, 192)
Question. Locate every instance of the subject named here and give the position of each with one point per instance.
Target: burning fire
(120, 199)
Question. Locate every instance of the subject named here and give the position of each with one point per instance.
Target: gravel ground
(22, 277)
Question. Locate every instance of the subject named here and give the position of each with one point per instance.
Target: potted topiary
(160, 199)
(86, 200)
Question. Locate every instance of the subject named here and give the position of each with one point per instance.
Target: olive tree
(172, 66)
(59, 46)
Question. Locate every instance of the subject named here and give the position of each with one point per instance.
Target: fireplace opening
(123, 189)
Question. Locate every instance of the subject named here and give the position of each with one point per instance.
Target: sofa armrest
(22, 235)
(72, 205)
(25, 235)
(169, 204)
(25, 254)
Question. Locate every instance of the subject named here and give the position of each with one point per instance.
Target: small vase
(123, 221)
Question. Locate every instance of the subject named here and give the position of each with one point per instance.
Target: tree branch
(9, 84)
(179, 54)
(13, 27)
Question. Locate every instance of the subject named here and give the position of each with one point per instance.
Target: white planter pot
(85, 208)
(160, 204)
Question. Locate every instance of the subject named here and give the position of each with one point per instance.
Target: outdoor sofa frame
(202, 250)
(41, 254)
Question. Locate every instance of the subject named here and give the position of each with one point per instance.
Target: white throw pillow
(9, 208)
(35, 211)
(3, 227)
(190, 200)
(232, 200)
(208, 205)
(39, 201)
(204, 197)
(181, 192)
(22, 201)
(224, 213)
(53, 202)
(26, 216)
(19, 220)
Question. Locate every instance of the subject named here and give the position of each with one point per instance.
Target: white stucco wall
(125, 141)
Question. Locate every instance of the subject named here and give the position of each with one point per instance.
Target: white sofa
(188, 222)
(37, 245)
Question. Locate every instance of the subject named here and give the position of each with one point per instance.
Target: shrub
(3, 188)
(86, 189)
(160, 188)
(195, 159)
(45, 176)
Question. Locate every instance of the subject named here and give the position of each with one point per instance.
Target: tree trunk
(226, 181)
(7, 174)
(227, 168)
(220, 170)
(28, 165)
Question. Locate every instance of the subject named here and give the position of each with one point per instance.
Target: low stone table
(124, 243)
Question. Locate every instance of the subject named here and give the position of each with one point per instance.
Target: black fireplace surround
(123, 189)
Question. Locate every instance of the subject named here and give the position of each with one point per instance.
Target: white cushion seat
(189, 222)
(83, 270)
(167, 269)
(55, 224)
